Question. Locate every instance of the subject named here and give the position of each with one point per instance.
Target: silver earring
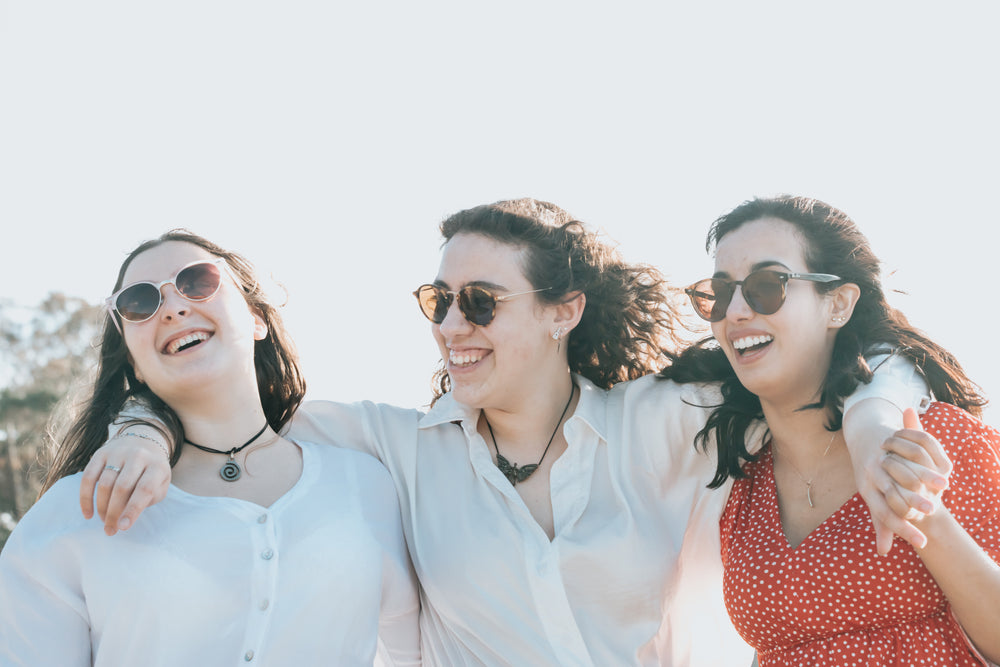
(557, 334)
(839, 320)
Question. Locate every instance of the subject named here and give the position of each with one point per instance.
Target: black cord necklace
(514, 473)
(231, 471)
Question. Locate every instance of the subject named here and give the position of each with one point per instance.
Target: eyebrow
(766, 264)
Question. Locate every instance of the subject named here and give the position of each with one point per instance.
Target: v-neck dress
(833, 601)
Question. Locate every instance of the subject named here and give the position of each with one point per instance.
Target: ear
(842, 302)
(569, 312)
(259, 327)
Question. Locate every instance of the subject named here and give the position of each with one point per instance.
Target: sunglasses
(198, 281)
(763, 290)
(477, 304)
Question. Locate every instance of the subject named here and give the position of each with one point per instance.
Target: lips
(185, 341)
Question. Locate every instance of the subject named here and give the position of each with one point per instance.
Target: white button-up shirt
(633, 575)
(310, 580)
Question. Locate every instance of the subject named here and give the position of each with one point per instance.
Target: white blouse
(313, 579)
(633, 575)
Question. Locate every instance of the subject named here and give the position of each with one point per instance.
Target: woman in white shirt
(264, 550)
(544, 515)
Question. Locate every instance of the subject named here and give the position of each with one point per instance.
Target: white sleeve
(43, 615)
(897, 380)
(399, 610)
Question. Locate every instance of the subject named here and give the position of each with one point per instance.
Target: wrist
(140, 432)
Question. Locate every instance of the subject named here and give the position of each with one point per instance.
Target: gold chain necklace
(809, 482)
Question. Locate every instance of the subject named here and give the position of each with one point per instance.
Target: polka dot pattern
(833, 601)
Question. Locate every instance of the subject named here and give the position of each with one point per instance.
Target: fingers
(878, 490)
(908, 489)
(126, 475)
(883, 537)
(117, 495)
(88, 483)
(149, 490)
(923, 449)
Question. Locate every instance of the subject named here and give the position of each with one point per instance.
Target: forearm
(868, 424)
(969, 578)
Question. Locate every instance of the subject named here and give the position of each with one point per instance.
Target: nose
(173, 303)
(738, 309)
(454, 322)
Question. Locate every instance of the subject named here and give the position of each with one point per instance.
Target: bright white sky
(326, 141)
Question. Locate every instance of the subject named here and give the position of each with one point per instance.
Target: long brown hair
(833, 244)
(279, 379)
(630, 315)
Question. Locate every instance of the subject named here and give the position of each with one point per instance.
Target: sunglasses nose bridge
(738, 305)
(454, 318)
(171, 300)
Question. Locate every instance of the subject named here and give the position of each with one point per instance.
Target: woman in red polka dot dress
(794, 304)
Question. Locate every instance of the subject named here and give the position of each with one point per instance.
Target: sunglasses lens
(138, 302)
(711, 298)
(764, 291)
(199, 281)
(477, 305)
(434, 302)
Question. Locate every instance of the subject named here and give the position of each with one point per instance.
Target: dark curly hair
(630, 314)
(279, 379)
(833, 244)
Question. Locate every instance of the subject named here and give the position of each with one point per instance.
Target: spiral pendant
(231, 471)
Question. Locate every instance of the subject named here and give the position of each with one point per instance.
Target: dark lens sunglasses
(763, 290)
(477, 304)
(138, 302)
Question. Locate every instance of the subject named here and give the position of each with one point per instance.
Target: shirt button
(248, 656)
(262, 518)
(264, 604)
(267, 554)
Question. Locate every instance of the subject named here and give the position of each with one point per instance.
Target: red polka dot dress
(833, 601)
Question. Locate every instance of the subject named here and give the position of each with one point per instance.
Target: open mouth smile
(186, 342)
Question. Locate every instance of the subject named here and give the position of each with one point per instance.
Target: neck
(800, 435)
(529, 425)
(226, 420)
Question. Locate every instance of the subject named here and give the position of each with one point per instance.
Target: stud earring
(557, 334)
(839, 319)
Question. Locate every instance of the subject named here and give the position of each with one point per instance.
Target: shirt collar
(591, 411)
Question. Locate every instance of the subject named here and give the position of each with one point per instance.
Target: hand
(875, 484)
(142, 478)
(919, 468)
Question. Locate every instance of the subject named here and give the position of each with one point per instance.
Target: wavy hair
(630, 314)
(832, 244)
(279, 380)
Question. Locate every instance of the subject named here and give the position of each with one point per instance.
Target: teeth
(750, 341)
(185, 340)
(464, 358)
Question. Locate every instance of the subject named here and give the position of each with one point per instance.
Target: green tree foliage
(46, 351)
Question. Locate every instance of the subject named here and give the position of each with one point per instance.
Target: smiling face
(186, 344)
(497, 365)
(782, 357)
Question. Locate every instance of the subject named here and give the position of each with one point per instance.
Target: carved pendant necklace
(230, 470)
(809, 482)
(513, 472)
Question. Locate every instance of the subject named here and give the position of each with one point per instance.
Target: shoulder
(652, 389)
(361, 413)
(956, 428)
(60, 504)
(355, 461)
(54, 521)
